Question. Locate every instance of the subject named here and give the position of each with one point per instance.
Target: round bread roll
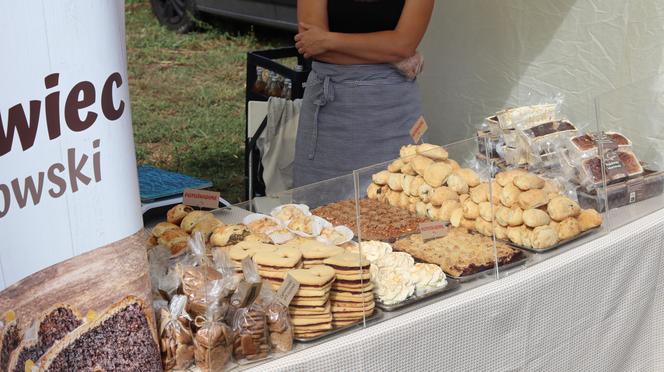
(457, 183)
(415, 185)
(568, 228)
(469, 175)
(407, 153)
(509, 196)
(562, 207)
(480, 193)
(453, 164)
(527, 237)
(395, 181)
(382, 194)
(434, 152)
(373, 190)
(176, 214)
(468, 224)
(528, 181)
(406, 181)
(484, 227)
(205, 228)
(432, 211)
(501, 232)
(162, 227)
(441, 194)
(463, 198)
(420, 164)
(446, 209)
(515, 234)
(535, 218)
(436, 174)
(394, 198)
(381, 178)
(515, 217)
(532, 199)
(408, 169)
(404, 200)
(395, 166)
(486, 211)
(507, 177)
(496, 191)
(421, 208)
(471, 210)
(456, 217)
(425, 192)
(544, 237)
(191, 219)
(589, 219)
(551, 187)
(223, 236)
(502, 216)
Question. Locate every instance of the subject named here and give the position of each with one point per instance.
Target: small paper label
(242, 294)
(636, 190)
(287, 291)
(201, 198)
(433, 230)
(249, 270)
(419, 128)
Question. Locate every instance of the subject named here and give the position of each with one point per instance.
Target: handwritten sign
(201, 198)
(432, 230)
(288, 289)
(419, 128)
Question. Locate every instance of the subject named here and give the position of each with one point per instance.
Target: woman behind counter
(361, 98)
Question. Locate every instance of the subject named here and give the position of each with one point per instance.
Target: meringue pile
(395, 275)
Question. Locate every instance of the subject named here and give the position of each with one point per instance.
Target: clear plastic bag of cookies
(213, 341)
(250, 332)
(176, 340)
(278, 319)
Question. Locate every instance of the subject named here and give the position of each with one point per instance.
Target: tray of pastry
(379, 221)
(462, 255)
(377, 315)
(451, 286)
(557, 245)
(523, 258)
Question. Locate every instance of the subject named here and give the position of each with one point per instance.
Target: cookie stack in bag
(310, 309)
(273, 266)
(352, 291)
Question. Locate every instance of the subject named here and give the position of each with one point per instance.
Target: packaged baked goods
(586, 145)
(250, 333)
(279, 324)
(176, 339)
(618, 166)
(527, 116)
(213, 342)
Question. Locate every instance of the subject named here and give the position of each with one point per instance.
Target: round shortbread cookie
(316, 275)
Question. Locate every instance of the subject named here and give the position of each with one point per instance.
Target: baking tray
(451, 286)
(377, 314)
(558, 245)
(466, 278)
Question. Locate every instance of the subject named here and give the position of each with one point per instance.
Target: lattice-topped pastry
(459, 253)
(378, 221)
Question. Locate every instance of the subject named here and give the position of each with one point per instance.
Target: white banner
(68, 181)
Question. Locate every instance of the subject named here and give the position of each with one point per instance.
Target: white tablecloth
(598, 307)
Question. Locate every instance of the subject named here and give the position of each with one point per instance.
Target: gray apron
(352, 116)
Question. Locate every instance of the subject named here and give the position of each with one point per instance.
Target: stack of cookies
(351, 297)
(250, 333)
(315, 252)
(274, 265)
(310, 308)
(245, 249)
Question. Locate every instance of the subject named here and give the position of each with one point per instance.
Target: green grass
(187, 94)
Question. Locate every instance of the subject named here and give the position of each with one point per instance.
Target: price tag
(288, 289)
(419, 128)
(636, 190)
(201, 198)
(433, 230)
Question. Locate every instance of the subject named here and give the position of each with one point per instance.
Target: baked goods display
(459, 253)
(310, 309)
(378, 221)
(351, 296)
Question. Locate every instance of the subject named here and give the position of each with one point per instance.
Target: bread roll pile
(517, 206)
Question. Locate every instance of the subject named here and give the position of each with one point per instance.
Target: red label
(433, 230)
(419, 128)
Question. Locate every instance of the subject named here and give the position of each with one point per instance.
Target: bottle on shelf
(273, 87)
(260, 85)
(287, 92)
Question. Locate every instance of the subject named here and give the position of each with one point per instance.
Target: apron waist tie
(325, 95)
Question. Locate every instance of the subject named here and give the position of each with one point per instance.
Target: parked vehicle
(179, 15)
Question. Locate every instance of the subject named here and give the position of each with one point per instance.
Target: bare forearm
(342, 59)
(375, 47)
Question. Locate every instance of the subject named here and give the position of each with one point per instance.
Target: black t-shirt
(363, 16)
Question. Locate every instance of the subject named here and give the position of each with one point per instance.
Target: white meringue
(392, 285)
(396, 260)
(374, 250)
(427, 277)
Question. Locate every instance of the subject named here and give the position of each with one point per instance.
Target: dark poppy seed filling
(54, 327)
(9, 343)
(123, 342)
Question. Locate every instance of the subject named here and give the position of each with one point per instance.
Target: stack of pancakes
(351, 297)
(242, 250)
(315, 252)
(310, 309)
(273, 266)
